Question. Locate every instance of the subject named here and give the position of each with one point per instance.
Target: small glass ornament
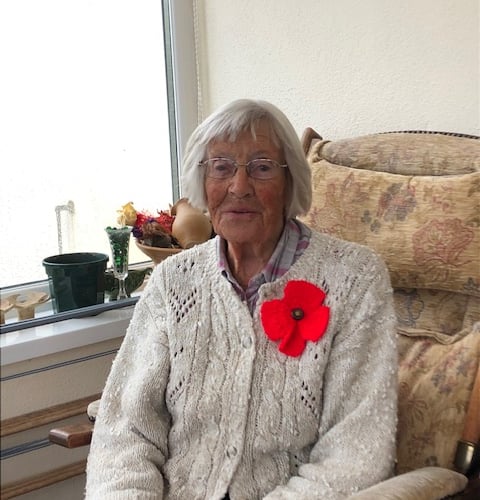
(119, 239)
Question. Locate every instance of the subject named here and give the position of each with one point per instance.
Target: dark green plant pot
(76, 279)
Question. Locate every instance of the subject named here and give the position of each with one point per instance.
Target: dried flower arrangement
(149, 229)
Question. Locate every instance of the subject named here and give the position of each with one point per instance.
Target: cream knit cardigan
(199, 401)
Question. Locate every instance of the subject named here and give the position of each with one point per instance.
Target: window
(90, 119)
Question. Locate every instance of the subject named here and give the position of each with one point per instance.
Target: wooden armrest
(72, 436)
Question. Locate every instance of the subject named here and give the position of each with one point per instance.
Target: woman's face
(243, 210)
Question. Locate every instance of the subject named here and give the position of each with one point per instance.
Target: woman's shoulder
(335, 243)
(336, 251)
(187, 264)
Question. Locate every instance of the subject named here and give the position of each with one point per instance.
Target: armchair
(414, 197)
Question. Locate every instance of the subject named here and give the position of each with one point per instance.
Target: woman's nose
(241, 183)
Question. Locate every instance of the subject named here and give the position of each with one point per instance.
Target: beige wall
(345, 67)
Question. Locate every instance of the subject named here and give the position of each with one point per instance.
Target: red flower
(165, 220)
(141, 219)
(298, 317)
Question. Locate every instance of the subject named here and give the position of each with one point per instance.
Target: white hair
(226, 123)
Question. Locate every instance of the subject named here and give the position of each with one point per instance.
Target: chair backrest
(414, 197)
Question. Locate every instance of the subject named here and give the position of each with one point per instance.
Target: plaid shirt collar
(292, 243)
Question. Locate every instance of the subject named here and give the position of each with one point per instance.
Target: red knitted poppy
(298, 317)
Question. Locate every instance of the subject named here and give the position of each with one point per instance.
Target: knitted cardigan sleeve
(129, 443)
(356, 447)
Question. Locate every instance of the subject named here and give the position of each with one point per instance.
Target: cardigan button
(247, 342)
(231, 451)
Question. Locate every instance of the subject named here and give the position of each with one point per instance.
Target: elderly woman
(260, 364)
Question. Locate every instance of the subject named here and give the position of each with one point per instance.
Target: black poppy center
(297, 313)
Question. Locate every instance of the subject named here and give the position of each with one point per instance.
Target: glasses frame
(204, 163)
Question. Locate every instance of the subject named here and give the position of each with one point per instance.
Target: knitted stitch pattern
(199, 401)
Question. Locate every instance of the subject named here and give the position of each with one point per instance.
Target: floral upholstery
(407, 153)
(415, 199)
(436, 378)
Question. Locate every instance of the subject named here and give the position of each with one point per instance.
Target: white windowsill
(48, 339)
(61, 334)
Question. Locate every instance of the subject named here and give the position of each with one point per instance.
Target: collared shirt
(291, 245)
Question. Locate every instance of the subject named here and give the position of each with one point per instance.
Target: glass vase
(119, 239)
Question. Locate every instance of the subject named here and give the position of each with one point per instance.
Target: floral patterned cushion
(426, 227)
(407, 153)
(433, 310)
(436, 377)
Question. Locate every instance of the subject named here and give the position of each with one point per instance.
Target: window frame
(182, 79)
(182, 95)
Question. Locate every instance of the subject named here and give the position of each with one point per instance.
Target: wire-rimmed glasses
(262, 169)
